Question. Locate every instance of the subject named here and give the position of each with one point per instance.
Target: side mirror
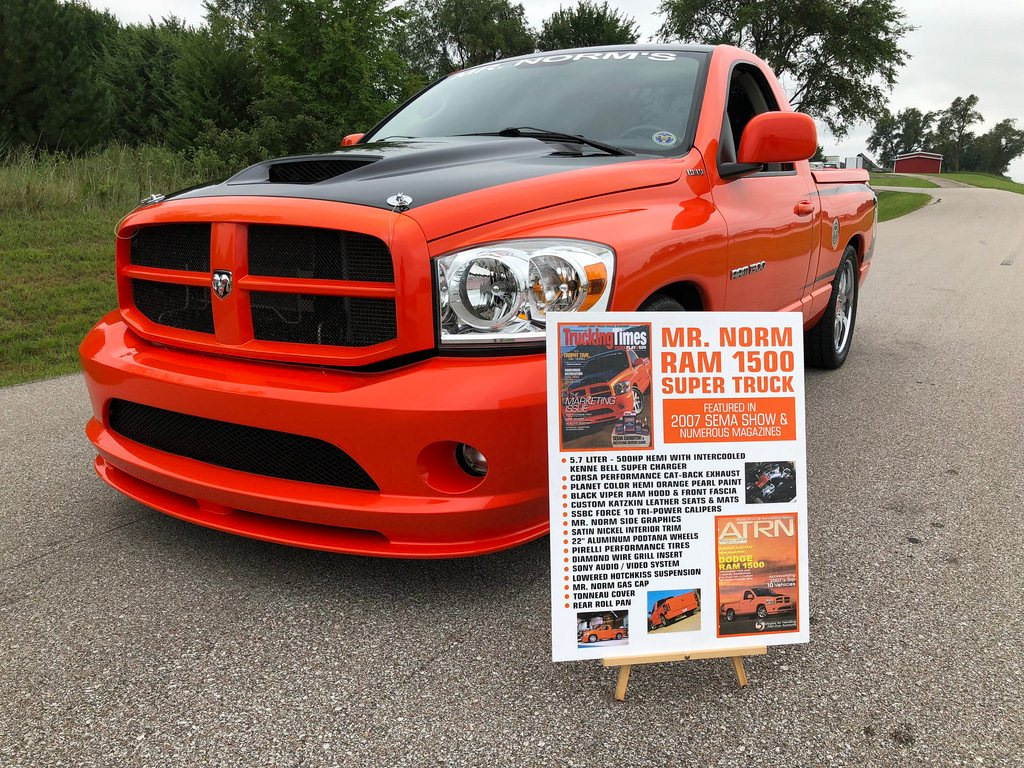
(778, 137)
(353, 138)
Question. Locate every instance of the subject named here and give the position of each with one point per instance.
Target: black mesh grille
(318, 254)
(311, 171)
(179, 306)
(183, 247)
(341, 321)
(236, 446)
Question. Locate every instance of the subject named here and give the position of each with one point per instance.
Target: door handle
(803, 208)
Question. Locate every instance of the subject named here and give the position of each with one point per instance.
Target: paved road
(130, 638)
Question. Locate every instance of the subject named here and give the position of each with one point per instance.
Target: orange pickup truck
(604, 632)
(345, 351)
(612, 385)
(669, 610)
(760, 602)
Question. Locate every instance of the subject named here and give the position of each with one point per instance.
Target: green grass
(899, 180)
(986, 180)
(57, 219)
(892, 205)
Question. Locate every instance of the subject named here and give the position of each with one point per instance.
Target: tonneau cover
(840, 175)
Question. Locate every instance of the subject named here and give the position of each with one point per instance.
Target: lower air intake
(239, 447)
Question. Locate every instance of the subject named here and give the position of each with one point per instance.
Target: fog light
(471, 460)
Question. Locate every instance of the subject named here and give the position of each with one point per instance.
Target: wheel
(592, 639)
(827, 344)
(618, 635)
(661, 303)
(762, 612)
(730, 615)
(638, 401)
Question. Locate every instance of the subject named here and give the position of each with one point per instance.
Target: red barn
(918, 162)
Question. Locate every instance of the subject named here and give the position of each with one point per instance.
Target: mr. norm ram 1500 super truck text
(345, 351)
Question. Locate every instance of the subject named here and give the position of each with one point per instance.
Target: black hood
(423, 170)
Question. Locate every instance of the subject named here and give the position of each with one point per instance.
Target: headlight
(622, 388)
(502, 292)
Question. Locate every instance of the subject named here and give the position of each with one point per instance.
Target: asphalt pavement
(128, 638)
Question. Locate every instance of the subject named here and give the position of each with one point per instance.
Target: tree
(894, 135)
(884, 140)
(952, 133)
(837, 58)
(138, 66)
(993, 152)
(819, 155)
(586, 24)
(216, 79)
(323, 68)
(50, 94)
(441, 36)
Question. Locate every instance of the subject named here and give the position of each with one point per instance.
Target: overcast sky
(959, 48)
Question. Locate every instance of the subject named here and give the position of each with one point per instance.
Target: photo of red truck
(612, 385)
(345, 351)
(669, 610)
(757, 601)
(596, 634)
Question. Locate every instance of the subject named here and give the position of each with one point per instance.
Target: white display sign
(678, 482)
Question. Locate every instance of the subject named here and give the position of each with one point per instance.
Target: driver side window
(749, 95)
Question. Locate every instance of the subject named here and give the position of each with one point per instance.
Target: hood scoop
(311, 170)
(303, 170)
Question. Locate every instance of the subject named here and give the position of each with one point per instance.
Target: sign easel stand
(625, 663)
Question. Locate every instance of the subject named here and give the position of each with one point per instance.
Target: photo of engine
(770, 482)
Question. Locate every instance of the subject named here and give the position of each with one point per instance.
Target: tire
(618, 635)
(661, 303)
(828, 343)
(592, 638)
(762, 612)
(730, 615)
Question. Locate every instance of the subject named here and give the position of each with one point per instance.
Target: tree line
(263, 78)
(948, 133)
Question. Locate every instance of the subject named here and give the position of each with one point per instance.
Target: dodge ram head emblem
(222, 283)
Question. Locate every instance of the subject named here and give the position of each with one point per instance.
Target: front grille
(294, 285)
(318, 254)
(179, 306)
(184, 247)
(239, 447)
(311, 171)
(342, 321)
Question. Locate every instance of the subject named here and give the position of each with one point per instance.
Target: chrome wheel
(844, 306)
(638, 401)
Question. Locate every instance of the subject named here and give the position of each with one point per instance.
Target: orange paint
(399, 408)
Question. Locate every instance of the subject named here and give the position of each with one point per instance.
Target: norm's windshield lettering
(563, 57)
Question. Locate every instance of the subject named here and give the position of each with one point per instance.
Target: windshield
(637, 99)
(762, 592)
(607, 364)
